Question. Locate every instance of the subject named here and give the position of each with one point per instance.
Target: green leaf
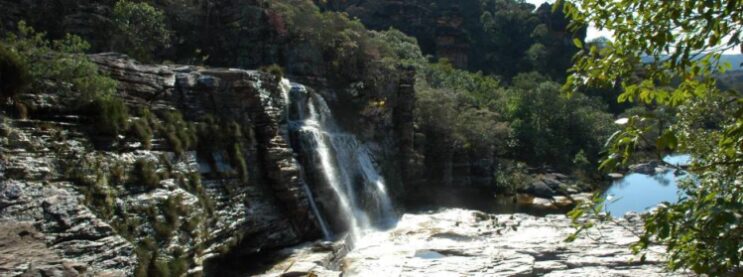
(578, 43)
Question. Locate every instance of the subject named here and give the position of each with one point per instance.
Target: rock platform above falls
(469, 243)
(459, 242)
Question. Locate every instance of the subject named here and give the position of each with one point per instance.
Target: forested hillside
(182, 138)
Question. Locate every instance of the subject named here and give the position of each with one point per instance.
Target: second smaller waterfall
(339, 161)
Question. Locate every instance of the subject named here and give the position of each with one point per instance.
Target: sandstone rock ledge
(469, 243)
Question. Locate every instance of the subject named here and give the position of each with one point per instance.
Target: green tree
(61, 67)
(141, 28)
(665, 54)
(550, 128)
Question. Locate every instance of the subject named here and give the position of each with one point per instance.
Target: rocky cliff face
(249, 34)
(71, 202)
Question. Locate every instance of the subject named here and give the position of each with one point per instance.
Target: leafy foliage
(141, 29)
(14, 76)
(144, 174)
(60, 66)
(676, 47)
(449, 107)
(349, 54)
(225, 139)
(550, 128)
(498, 37)
(181, 135)
(274, 70)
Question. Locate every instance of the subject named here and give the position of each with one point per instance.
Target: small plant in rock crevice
(14, 76)
(180, 134)
(227, 138)
(274, 70)
(144, 174)
(143, 132)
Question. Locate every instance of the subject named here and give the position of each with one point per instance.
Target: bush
(141, 29)
(143, 132)
(61, 67)
(109, 114)
(275, 70)
(181, 135)
(14, 76)
(99, 196)
(511, 176)
(194, 186)
(144, 174)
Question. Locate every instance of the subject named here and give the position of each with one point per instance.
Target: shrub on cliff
(61, 67)
(14, 77)
(144, 174)
(180, 134)
(141, 29)
(110, 115)
(141, 130)
(274, 70)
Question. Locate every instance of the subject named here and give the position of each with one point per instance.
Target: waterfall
(327, 234)
(339, 161)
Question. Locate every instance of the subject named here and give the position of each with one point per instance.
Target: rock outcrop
(71, 203)
(469, 243)
(649, 168)
(215, 177)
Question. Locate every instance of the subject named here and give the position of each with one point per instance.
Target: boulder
(539, 188)
(649, 168)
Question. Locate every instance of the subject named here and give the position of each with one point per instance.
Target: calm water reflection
(638, 192)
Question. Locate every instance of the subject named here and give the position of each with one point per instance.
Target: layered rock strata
(70, 203)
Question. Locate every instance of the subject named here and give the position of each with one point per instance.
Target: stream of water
(639, 192)
(341, 161)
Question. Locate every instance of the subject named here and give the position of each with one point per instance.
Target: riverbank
(456, 242)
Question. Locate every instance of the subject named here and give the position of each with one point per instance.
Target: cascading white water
(327, 234)
(344, 163)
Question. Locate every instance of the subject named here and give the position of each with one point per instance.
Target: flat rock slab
(469, 243)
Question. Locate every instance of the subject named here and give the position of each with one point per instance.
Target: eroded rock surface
(72, 204)
(468, 243)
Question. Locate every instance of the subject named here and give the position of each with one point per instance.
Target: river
(637, 192)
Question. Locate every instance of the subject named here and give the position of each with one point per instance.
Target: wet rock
(518, 245)
(306, 260)
(616, 175)
(540, 189)
(650, 168)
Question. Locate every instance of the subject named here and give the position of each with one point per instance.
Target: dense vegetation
(498, 37)
(475, 114)
(527, 121)
(492, 93)
(14, 77)
(685, 40)
(60, 66)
